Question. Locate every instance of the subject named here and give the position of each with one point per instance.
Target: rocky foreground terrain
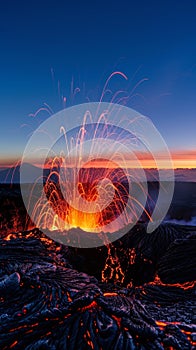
(137, 293)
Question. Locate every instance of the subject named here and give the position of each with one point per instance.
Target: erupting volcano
(97, 175)
(92, 176)
(95, 187)
(86, 263)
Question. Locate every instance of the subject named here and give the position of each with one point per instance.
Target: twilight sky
(49, 48)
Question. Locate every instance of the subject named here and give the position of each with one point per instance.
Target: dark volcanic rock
(10, 284)
(135, 257)
(178, 265)
(46, 304)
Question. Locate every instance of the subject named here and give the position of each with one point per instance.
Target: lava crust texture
(145, 300)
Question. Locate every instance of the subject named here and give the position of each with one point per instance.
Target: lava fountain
(95, 186)
(91, 177)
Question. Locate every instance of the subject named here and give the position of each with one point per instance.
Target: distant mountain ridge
(12, 175)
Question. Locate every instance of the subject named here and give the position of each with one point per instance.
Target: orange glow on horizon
(182, 159)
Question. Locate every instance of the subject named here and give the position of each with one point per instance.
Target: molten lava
(61, 207)
(75, 218)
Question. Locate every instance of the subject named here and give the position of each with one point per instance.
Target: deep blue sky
(87, 40)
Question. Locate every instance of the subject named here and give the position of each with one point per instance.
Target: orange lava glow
(87, 307)
(185, 286)
(110, 294)
(163, 324)
(86, 221)
(118, 320)
(88, 205)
